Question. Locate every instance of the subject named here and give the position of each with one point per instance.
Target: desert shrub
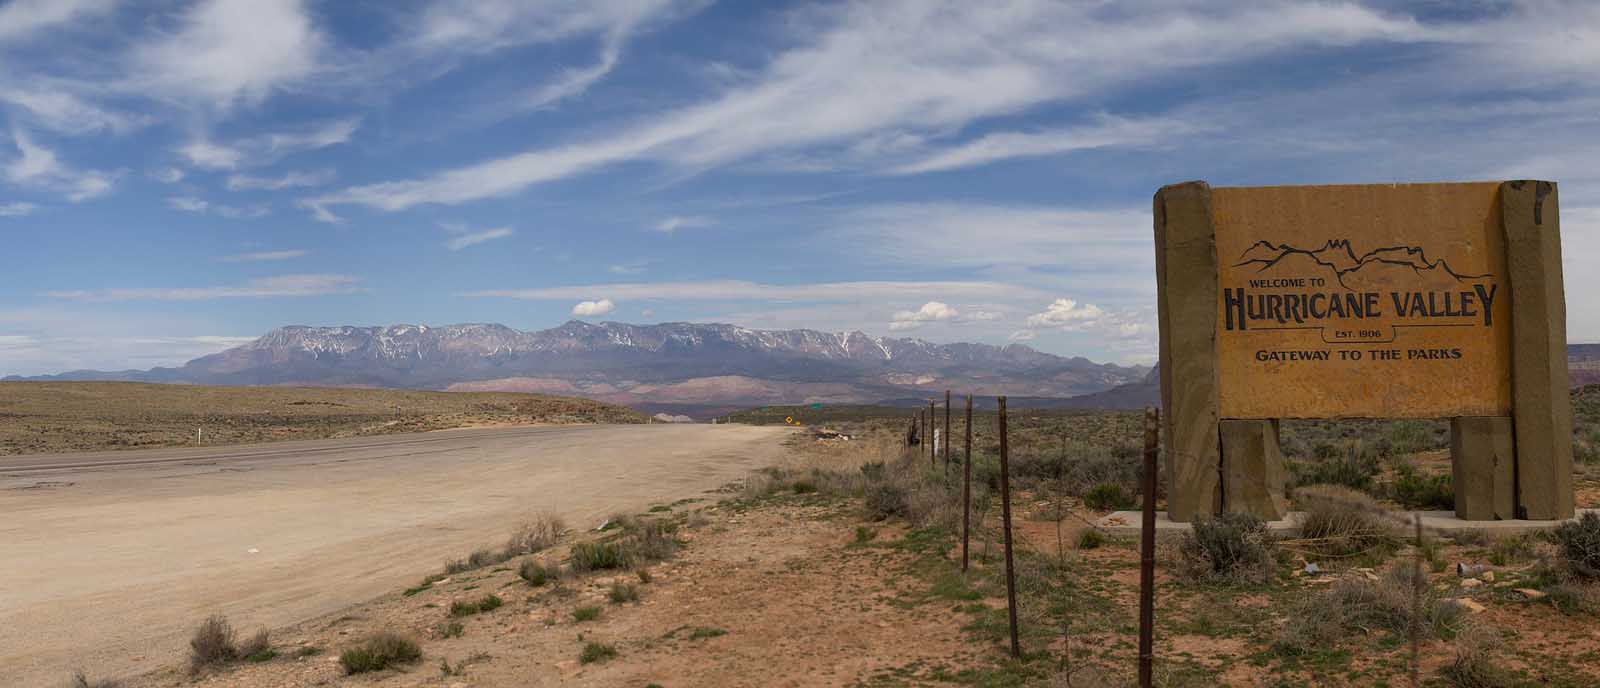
(886, 500)
(1415, 490)
(1476, 663)
(596, 652)
(1340, 521)
(1580, 545)
(623, 592)
(597, 556)
(537, 535)
(1410, 437)
(874, 470)
(1107, 497)
(586, 613)
(931, 505)
(1091, 538)
(1361, 604)
(652, 540)
(257, 648)
(212, 643)
(1351, 464)
(486, 603)
(536, 573)
(81, 680)
(453, 629)
(378, 652)
(644, 576)
(1230, 548)
(702, 632)
(1504, 550)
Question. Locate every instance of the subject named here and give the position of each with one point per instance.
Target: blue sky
(178, 177)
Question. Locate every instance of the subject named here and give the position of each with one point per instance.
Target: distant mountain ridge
(648, 366)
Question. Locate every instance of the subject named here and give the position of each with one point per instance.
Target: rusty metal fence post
(966, 489)
(1147, 550)
(933, 424)
(1005, 516)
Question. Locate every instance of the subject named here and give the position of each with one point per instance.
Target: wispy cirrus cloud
(266, 148)
(860, 71)
(265, 287)
(292, 179)
(22, 19)
(38, 167)
(1106, 132)
(263, 256)
(17, 209)
(465, 236)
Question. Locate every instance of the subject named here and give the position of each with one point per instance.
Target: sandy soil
(107, 567)
(796, 605)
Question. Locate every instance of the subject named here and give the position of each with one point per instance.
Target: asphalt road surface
(109, 559)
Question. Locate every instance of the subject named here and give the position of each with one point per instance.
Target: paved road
(108, 559)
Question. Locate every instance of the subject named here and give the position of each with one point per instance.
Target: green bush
(537, 574)
(1091, 538)
(597, 556)
(587, 613)
(596, 652)
(1580, 546)
(486, 603)
(1410, 437)
(378, 652)
(1414, 490)
(1231, 548)
(1107, 497)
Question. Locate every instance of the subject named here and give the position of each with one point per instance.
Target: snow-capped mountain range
(642, 365)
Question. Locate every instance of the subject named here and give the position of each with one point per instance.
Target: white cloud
(1023, 336)
(17, 209)
(170, 175)
(932, 311)
(1107, 132)
(738, 290)
(188, 204)
(225, 52)
(204, 153)
(912, 68)
(289, 180)
(675, 223)
(261, 256)
(318, 136)
(249, 212)
(22, 19)
(574, 82)
(38, 166)
(1067, 314)
(464, 236)
(266, 287)
(593, 308)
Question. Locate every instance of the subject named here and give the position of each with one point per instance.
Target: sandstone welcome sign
(1364, 301)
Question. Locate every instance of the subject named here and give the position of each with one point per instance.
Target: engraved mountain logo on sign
(1375, 268)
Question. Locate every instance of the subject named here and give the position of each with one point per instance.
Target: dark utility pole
(1147, 549)
(1005, 516)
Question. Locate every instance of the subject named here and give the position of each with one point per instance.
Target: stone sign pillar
(1186, 275)
(1363, 301)
(1541, 400)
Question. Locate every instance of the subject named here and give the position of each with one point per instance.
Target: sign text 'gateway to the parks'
(1361, 301)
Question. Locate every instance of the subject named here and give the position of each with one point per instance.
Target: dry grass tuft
(1477, 662)
(537, 535)
(80, 680)
(1340, 521)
